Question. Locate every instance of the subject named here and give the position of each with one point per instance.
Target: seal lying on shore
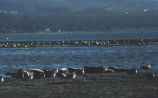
(49, 73)
(117, 69)
(132, 71)
(78, 71)
(71, 76)
(68, 73)
(93, 69)
(146, 67)
(62, 73)
(38, 73)
(24, 73)
(128, 70)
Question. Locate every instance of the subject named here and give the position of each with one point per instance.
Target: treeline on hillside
(82, 15)
(52, 23)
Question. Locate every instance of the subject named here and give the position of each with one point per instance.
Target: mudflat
(99, 85)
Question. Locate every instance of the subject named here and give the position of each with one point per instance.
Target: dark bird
(146, 67)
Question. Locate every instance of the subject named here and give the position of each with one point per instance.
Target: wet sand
(101, 85)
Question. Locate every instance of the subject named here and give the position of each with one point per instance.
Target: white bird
(55, 73)
(2, 79)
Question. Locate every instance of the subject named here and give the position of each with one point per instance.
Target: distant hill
(73, 5)
(80, 15)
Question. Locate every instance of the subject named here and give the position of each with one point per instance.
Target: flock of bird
(70, 73)
(16, 44)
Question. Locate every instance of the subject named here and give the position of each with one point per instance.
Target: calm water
(12, 59)
(57, 57)
(78, 36)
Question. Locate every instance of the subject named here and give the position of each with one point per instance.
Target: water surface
(11, 59)
(58, 57)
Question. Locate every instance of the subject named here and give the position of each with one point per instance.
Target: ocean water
(78, 36)
(11, 59)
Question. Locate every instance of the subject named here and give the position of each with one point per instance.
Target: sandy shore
(102, 85)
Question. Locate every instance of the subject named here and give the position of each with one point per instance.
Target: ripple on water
(58, 57)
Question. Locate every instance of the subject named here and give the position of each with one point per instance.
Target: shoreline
(92, 85)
